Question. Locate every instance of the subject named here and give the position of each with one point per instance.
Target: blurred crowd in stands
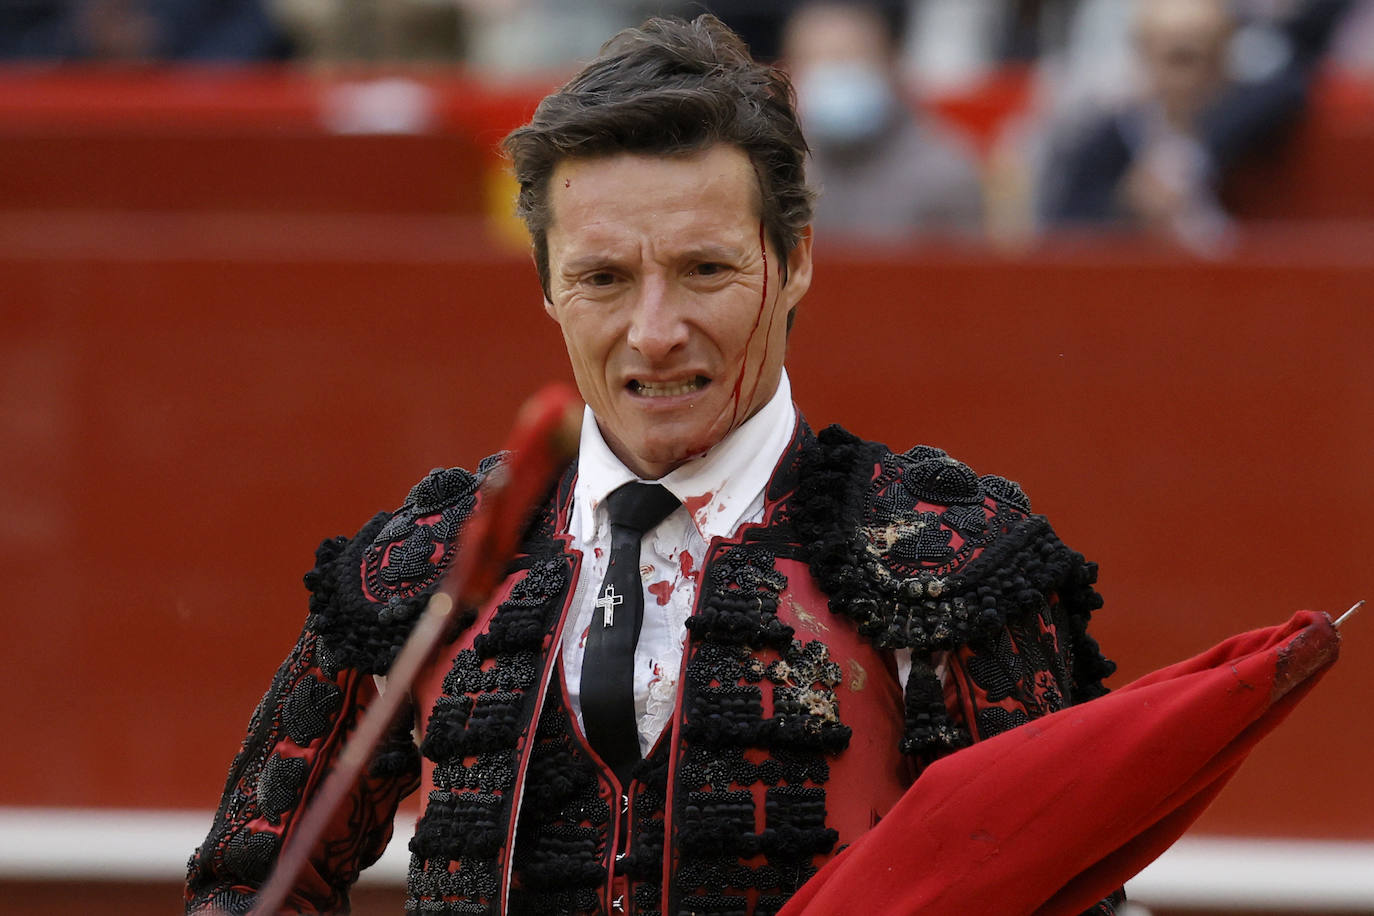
(1139, 107)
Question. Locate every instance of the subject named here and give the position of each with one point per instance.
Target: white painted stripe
(1280, 875)
(141, 845)
(130, 845)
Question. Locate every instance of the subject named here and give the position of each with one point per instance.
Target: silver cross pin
(607, 603)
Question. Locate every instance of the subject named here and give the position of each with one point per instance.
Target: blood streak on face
(763, 304)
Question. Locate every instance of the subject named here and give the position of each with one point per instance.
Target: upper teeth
(667, 389)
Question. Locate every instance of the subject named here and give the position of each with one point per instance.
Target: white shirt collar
(718, 488)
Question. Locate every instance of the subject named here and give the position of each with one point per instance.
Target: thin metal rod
(543, 441)
(1348, 614)
(423, 640)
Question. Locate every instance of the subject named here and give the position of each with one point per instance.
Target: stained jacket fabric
(791, 738)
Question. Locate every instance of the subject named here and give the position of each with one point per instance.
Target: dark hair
(668, 87)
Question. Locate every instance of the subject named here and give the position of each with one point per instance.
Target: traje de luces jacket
(791, 736)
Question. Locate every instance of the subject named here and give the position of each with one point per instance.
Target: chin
(666, 453)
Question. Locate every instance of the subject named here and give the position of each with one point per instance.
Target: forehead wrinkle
(661, 241)
(592, 220)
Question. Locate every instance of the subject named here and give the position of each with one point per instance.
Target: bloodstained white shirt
(719, 491)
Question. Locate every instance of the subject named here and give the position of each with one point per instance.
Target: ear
(543, 286)
(798, 270)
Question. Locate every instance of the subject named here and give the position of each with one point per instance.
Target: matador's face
(670, 298)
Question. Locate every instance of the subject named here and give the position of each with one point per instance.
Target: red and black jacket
(792, 734)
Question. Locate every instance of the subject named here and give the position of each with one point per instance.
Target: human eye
(600, 279)
(708, 270)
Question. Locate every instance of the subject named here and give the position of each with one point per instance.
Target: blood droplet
(662, 591)
(695, 504)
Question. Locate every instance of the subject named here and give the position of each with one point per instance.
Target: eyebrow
(706, 252)
(590, 261)
(714, 253)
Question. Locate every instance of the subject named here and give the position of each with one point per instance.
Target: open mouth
(668, 389)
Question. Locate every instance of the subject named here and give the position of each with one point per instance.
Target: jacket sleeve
(303, 721)
(1021, 673)
(1026, 671)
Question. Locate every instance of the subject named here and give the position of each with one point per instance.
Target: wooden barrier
(192, 396)
(184, 421)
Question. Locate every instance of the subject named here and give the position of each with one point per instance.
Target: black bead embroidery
(715, 799)
(267, 785)
(367, 593)
(473, 736)
(280, 785)
(944, 558)
(561, 838)
(310, 709)
(251, 854)
(906, 584)
(940, 480)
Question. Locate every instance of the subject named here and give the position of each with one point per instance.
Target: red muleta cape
(1050, 817)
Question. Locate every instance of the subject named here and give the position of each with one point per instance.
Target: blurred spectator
(954, 43)
(883, 171)
(508, 37)
(132, 30)
(1353, 44)
(1144, 163)
(343, 30)
(1218, 81)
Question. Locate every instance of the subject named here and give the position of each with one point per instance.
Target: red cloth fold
(1051, 817)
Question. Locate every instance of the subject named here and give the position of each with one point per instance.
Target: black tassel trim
(716, 795)
(741, 603)
(473, 736)
(357, 632)
(905, 586)
(392, 560)
(396, 756)
(458, 825)
(525, 617)
(564, 823)
(645, 861)
(929, 732)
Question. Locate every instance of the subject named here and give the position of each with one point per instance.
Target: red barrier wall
(190, 401)
(180, 429)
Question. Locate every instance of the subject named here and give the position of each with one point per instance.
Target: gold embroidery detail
(858, 677)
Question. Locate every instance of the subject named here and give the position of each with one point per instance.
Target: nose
(657, 325)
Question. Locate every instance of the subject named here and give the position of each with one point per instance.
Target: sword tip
(1348, 614)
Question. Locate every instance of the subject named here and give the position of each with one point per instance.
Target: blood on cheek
(737, 392)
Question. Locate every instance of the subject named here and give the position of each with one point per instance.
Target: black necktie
(607, 690)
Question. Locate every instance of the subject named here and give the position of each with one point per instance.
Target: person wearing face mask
(885, 171)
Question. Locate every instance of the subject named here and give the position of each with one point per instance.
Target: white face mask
(843, 102)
